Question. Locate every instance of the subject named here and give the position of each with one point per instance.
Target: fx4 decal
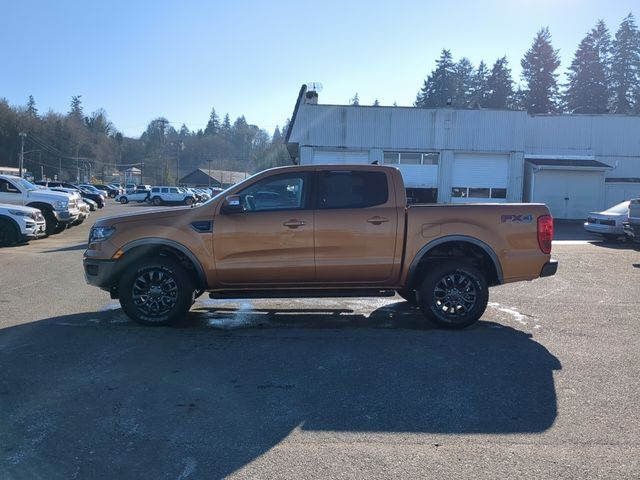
(527, 218)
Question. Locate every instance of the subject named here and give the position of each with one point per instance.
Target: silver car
(608, 223)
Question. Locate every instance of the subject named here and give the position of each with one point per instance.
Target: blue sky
(139, 60)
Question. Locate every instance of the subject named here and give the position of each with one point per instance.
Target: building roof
(557, 162)
(225, 176)
(222, 177)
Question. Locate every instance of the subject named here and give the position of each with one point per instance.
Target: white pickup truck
(59, 209)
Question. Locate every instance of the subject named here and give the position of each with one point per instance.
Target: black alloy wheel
(157, 291)
(453, 295)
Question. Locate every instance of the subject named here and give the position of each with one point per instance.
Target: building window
(411, 158)
(422, 195)
(474, 192)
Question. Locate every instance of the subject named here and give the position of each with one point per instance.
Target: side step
(299, 293)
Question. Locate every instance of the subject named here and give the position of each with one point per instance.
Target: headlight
(20, 213)
(61, 205)
(98, 234)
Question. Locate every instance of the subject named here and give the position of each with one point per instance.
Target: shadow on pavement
(94, 396)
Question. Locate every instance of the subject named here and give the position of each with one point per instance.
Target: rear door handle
(377, 220)
(294, 223)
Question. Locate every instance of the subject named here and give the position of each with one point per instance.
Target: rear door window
(351, 189)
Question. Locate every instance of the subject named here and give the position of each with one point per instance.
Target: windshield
(619, 209)
(27, 185)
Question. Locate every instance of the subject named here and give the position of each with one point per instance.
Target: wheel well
(151, 251)
(459, 251)
(41, 206)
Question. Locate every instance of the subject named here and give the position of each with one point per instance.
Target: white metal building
(574, 163)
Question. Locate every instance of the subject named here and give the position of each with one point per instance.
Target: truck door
(271, 241)
(9, 193)
(356, 227)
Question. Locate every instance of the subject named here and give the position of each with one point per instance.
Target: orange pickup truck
(319, 231)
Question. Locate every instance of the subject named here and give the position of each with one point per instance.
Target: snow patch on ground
(521, 318)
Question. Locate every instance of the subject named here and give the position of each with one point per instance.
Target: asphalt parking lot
(544, 386)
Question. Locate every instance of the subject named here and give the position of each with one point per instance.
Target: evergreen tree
(277, 136)
(479, 87)
(463, 83)
(587, 90)
(226, 127)
(625, 66)
(76, 107)
(32, 111)
(213, 125)
(500, 85)
(439, 88)
(355, 100)
(538, 70)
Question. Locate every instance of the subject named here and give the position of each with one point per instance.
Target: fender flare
(454, 238)
(150, 242)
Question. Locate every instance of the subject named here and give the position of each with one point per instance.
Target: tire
(52, 226)
(156, 291)
(610, 237)
(157, 201)
(453, 295)
(188, 201)
(8, 233)
(124, 200)
(61, 227)
(409, 295)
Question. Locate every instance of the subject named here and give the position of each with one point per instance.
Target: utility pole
(22, 135)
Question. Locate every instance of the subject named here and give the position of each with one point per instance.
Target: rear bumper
(632, 231)
(550, 268)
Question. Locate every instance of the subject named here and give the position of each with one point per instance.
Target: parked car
(20, 224)
(97, 196)
(160, 195)
(83, 204)
(59, 208)
(133, 196)
(608, 223)
(110, 190)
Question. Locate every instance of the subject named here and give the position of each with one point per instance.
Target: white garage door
(569, 195)
(480, 178)
(326, 157)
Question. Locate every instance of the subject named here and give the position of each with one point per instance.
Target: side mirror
(232, 204)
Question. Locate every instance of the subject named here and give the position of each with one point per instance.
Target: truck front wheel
(453, 295)
(156, 291)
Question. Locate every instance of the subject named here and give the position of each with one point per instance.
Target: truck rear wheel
(156, 291)
(157, 201)
(453, 295)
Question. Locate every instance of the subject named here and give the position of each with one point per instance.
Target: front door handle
(377, 220)
(294, 223)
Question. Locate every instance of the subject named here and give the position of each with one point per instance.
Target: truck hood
(48, 195)
(146, 215)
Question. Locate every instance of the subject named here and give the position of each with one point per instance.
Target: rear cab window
(351, 189)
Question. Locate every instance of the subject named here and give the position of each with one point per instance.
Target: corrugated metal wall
(403, 128)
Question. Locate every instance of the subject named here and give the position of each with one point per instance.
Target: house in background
(203, 177)
(574, 163)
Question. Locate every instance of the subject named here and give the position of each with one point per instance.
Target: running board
(299, 293)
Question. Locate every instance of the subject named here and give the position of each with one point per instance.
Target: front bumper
(550, 268)
(100, 273)
(66, 216)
